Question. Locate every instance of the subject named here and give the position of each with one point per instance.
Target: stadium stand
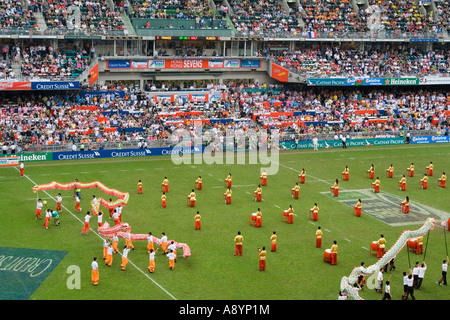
(163, 64)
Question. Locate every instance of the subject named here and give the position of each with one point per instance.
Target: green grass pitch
(296, 271)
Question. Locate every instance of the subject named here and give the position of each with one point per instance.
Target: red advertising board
(15, 85)
(186, 64)
(93, 74)
(279, 73)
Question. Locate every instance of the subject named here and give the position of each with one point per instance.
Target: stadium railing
(168, 142)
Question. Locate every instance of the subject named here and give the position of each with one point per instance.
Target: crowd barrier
(339, 144)
(284, 145)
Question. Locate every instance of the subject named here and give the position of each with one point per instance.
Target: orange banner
(15, 85)
(279, 73)
(93, 74)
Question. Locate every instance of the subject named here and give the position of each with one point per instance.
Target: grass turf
(295, 272)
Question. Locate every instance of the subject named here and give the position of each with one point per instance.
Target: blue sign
(125, 153)
(430, 139)
(250, 63)
(373, 81)
(423, 40)
(119, 64)
(55, 85)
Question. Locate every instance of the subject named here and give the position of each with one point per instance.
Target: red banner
(187, 64)
(93, 74)
(279, 73)
(15, 85)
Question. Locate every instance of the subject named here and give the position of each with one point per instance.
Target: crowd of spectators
(14, 16)
(260, 17)
(375, 61)
(443, 11)
(404, 16)
(251, 17)
(332, 16)
(356, 110)
(6, 72)
(170, 9)
(95, 17)
(36, 120)
(45, 62)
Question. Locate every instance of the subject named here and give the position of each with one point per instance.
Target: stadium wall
(285, 145)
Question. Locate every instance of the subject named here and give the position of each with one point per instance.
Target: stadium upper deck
(318, 18)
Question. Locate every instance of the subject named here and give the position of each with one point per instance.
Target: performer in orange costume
(228, 181)
(94, 274)
(192, 198)
(125, 252)
(151, 260)
(410, 170)
(198, 183)
(139, 185)
(258, 218)
(295, 191)
(442, 180)
(163, 200)
(424, 182)
(429, 169)
(238, 240)
(334, 249)
(402, 183)
(345, 173)
(335, 188)
(109, 255)
(263, 178)
(318, 237)
(302, 176)
(165, 185)
(390, 171)
(198, 224)
(150, 245)
(262, 259)
(357, 209)
(381, 246)
(371, 172)
(376, 185)
(227, 196)
(257, 194)
(419, 249)
(21, 166)
(314, 212)
(273, 241)
(405, 205)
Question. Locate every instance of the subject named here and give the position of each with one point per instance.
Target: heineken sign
(26, 157)
(408, 81)
(401, 81)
